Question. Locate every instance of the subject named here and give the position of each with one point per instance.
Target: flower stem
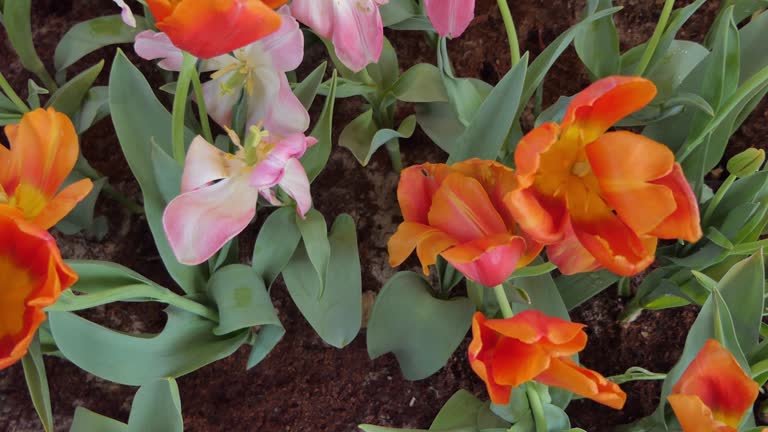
(537, 408)
(501, 297)
(180, 105)
(509, 25)
(8, 90)
(201, 108)
(717, 198)
(653, 42)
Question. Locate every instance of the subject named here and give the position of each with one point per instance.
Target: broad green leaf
(88, 421)
(81, 217)
(463, 411)
(752, 40)
(37, 383)
(578, 288)
(275, 244)
(316, 157)
(18, 26)
(88, 36)
(679, 60)
(186, 344)
(534, 270)
(441, 124)
(140, 119)
(385, 71)
(99, 276)
(307, 89)
(742, 289)
(597, 44)
(95, 106)
(166, 172)
(397, 11)
(420, 330)
(314, 235)
(417, 23)
(157, 408)
(362, 138)
(420, 83)
(69, 97)
(333, 305)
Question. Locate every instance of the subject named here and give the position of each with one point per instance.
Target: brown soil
(304, 384)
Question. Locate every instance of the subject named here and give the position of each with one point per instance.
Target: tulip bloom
(219, 191)
(714, 393)
(602, 199)
(354, 27)
(450, 17)
(506, 353)
(208, 28)
(457, 211)
(126, 14)
(34, 276)
(44, 149)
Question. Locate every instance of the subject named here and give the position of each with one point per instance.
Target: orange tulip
(209, 28)
(457, 212)
(33, 277)
(44, 149)
(602, 199)
(506, 353)
(714, 393)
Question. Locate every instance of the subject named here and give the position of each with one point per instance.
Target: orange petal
(488, 261)
(569, 255)
(684, 223)
(539, 217)
(515, 362)
(559, 336)
(496, 179)
(63, 203)
(416, 188)
(428, 241)
(8, 176)
(44, 148)
(160, 9)
(605, 102)
(564, 373)
(529, 150)
(481, 352)
(274, 4)
(613, 244)
(462, 209)
(716, 378)
(209, 28)
(694, 416)
(625, 164)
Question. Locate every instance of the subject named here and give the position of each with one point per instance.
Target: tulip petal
(564, 373)
(151, 45)
(428, 241)
(268, 172)
(220, 102)
(481, 355)
(694, 416)
(63, 203)
(569, 255)
(529, 149)
(605, 102)
(8, 173)
(416, 188)
(488, 261)
(451, 17)
(533, 327)
(537, 216)
(200, 222)
(206, 163)
(315, 14)
(126, 13)
(684, 223)
(286, 115)
(285, 47)
(296, 184)
(497, 180)
(358, 33)
(515, 362)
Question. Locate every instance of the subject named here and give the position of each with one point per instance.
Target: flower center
(243, 74)
(581, 169)
(28, 199)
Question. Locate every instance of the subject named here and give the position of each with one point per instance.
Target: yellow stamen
(581, 169)
(29, 199)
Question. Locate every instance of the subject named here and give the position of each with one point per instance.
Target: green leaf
(385, 71)
(95, 106)
(157, 408)
(37, 383)
(81, 217)
(33, 94)
(316, 157)
(362, 138)
(186, 344)
(534, 270)
(307, 90)
(597, 44)
(420, 330)
(420, 83)
(578, 288)
(460, 411)
(314, 235)
(88, 421)
(139, 119)
(441, 124)
(69, 97)
(332, 305)
(275, 244)
(752, 39)
(18, 25)
(166, 172)
(88, 36)
(397, 11)
(677, 62)
(742, 289)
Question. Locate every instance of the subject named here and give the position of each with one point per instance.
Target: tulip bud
(746, 162)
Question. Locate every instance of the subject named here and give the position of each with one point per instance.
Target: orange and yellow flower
(34, 276)
(602, 200)
(506, 353)
(714, 393)
(457, 212)
(44, 149)
(209, 28)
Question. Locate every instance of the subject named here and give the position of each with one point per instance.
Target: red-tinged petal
(532, 250)
(209, 28)
(625, 164)
(539, 217)
(269, 171)
(8, 174)
(569, 255)
(451, 17)
(200, 222)
(716, 378)
(516, 362)
(488, 261)
(462, 209)
(497, 180)
(605, 102)
(694, 416)
(481, 353)
(684, 223)
(613, 244)
(63, 203)
(416, 188)
(529, 150)
(428, 241)
(559, 336)
(358, 33)
(564, 373)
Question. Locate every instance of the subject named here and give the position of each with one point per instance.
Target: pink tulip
(450, 17)
(126, 13)
(354, 27)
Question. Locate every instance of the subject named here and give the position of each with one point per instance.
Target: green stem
(8, 90)
(717, 198)
(653, 42)
(537, 408)
(180, 105)
(501, 297)
(190, 306)
(201, 108)
(509, 25)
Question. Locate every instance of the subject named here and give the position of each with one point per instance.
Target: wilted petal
(450, 17)
(220, 101)
(204, 164)
(263, 94)
(151, 45)
(296, 184)
(285, 47)
(564, 373)
(126, 13)
(269, 171)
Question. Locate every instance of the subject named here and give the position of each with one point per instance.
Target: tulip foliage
(525, 218)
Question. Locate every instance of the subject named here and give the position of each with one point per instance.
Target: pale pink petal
(270, 170)
(151, 45)
(285, 47)
(296, 184)
(264, 93)
(287, 115)
(358, 33)
(315, 14)
(200, 222)
(450, 17)
(220, 102)
(205, 163)
(271, 197)
(126, 14)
